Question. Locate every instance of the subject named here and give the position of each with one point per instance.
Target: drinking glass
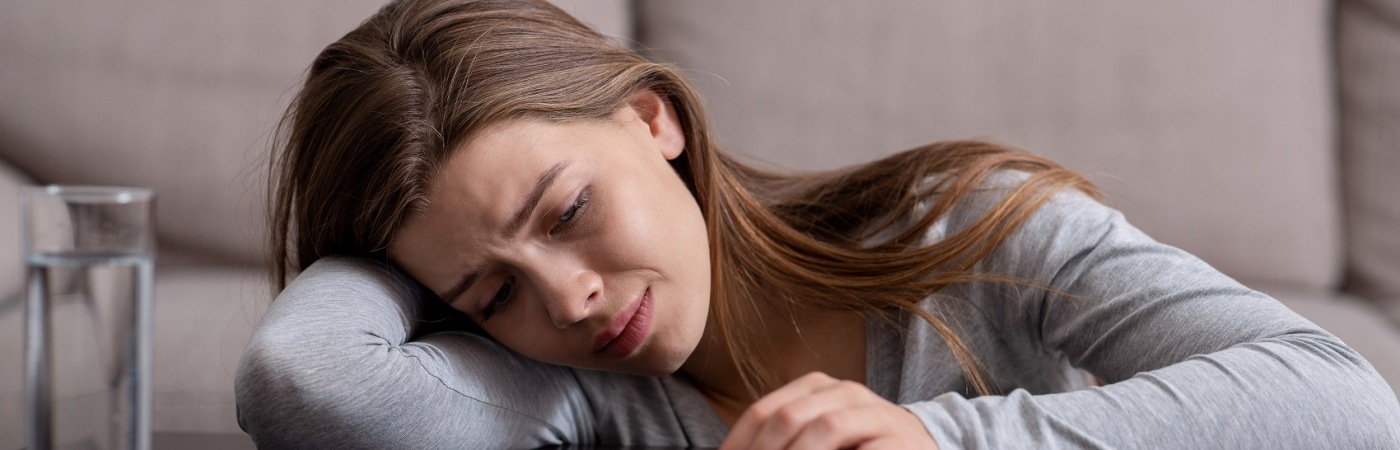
(89, 253)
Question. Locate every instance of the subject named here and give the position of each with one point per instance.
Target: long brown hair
(383, 107)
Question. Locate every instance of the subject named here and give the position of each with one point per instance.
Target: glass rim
(91, 194)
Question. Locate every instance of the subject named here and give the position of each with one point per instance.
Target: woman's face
(571, 243)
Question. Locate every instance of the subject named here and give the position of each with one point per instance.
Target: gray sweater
(1190, 358)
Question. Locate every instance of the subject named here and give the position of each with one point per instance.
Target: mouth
(628, 330)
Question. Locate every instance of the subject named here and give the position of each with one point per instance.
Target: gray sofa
(1262, 136)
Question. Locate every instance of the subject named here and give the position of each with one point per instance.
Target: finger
(841, 428)
(748, 423)
(747, 426)
(788, 421)
(885, 443)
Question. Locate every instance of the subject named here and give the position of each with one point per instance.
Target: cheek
(631, 233)
(653, 221)
(530, 336)
(679, 248)
(664, 233)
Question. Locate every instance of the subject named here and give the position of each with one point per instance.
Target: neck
(791, 343)
(713, 372)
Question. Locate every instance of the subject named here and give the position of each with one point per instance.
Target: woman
(564, 193)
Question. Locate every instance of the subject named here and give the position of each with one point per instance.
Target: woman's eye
(569, 215)
(497, 301)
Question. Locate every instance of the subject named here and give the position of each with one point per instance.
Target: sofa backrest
(1211, 124)
(1217, 140)
(176, 95)
(179, 96)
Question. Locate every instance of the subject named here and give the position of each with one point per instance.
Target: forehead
(479, 188)
(489, 175)
(483, 179)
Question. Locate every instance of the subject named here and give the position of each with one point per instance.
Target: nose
(569, 292)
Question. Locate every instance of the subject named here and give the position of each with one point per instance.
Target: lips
(628, 330)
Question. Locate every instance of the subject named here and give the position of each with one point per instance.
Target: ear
(662, 121)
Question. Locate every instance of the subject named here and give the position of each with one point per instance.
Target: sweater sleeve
(336, 363)
(1191, 358)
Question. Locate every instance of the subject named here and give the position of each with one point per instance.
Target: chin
(650, 373)
(650, 368)
(656, 362)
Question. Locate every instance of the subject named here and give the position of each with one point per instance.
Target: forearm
(1299, 390)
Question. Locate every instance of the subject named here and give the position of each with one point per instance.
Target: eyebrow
(532, 201)
(461, 287)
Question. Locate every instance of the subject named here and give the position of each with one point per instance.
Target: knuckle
(762, 411)
(828, 424)
(787, 418)
(850, 386)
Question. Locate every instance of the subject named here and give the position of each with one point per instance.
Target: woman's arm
(332, 366)
(1193, 359)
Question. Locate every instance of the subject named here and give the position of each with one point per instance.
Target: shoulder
(1052, 209)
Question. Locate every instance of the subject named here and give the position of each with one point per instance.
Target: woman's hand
(821, 412)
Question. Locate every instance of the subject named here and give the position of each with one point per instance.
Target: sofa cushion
(1351, 319)
(1210, 138)
(12, 372)
(1368, 47)
(11, 264)
(203, 317)
(11, 310)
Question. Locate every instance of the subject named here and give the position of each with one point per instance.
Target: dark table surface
(161, 440)
(202, 441)
(239, 441)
